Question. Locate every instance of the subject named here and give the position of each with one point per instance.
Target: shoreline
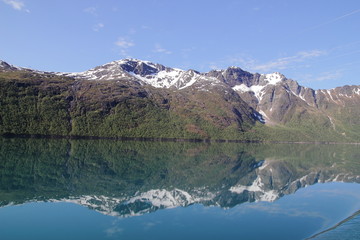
(153, 139)
(336, 225)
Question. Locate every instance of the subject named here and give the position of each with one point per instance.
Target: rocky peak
(4, 64)
(139, 67)
(146, 72)
(7, 67)
(233, 76)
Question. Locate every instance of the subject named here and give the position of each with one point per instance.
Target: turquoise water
(59, 189)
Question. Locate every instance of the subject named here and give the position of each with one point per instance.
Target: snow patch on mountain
(273, 78)
(259, 89)
(330, 95)
(109, 71)
(264, 116)
(301, 96)
(146, 72)
(356, 91)
(261, 116)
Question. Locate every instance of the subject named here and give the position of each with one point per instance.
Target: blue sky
(316, 42)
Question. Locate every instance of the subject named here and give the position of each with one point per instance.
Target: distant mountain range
(141, 99)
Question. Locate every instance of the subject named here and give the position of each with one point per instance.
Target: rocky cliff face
(280, 100)
(6, 67)
(146, 72)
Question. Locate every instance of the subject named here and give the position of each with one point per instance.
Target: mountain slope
(286, 106)
(35, 103)
(135, 98)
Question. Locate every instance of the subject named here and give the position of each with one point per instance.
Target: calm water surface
(97, 189)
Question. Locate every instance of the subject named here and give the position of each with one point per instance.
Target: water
(345, 230)
(99, 189)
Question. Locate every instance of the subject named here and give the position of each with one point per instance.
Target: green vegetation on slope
(46, 104)
(35, 104)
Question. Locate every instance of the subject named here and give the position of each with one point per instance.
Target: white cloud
(214, 67)
(186, 52)
(124, 43)
(243, 61)
(328, 76)
(312, 53)
(91, 10)
(160, 49)
(333, 20)
(249, 63)
(132, 31)
(324, 76)
(15, 4)
(124, 53)
(287, 62)
(145, 27)
(98, 26)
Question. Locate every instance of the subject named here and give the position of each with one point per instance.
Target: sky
(315, 42)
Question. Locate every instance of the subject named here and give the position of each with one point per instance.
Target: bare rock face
(4, 66)
(234, 76)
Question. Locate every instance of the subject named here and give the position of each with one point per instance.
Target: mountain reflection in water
(133, 178)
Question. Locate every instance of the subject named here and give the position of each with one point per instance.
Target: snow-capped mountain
(223, 98)
(145, 72)
(276, 98)
(273, 96)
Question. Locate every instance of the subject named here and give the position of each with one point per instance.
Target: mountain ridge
(140, 70)
(223, 99)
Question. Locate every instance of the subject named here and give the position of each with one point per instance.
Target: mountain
(4, 66)
(135, 98)
(146, 72)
